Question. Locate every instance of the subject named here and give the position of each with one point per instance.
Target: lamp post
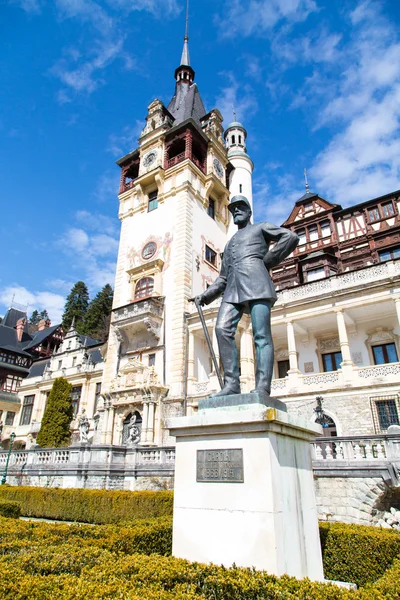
(12, 437)
(322, 418)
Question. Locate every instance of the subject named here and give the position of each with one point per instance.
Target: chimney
(20, 328)
(44, 324)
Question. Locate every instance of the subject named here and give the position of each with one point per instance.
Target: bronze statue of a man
(246, 286)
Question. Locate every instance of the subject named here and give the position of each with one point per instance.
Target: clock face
(149, 158)
(149, 250)
(218, 168)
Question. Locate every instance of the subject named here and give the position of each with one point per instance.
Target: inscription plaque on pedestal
(221, 466)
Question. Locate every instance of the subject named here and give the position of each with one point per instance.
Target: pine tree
(55, 427)
(97, 320)
(44, 315)
(76, 305)
(34, 318)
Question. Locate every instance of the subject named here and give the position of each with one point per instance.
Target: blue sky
(315, 82)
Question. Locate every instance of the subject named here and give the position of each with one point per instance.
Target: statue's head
(240, 209)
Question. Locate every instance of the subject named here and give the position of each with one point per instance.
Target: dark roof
(39, 336)
(307, 196)
(37, 369)
(89, 341)
(12, 316)
(8, 340)
(96, 356)
(186, 103)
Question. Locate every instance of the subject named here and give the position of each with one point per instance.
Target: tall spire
(306, 181)
(185, 59)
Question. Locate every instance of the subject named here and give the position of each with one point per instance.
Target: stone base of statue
(244, 489)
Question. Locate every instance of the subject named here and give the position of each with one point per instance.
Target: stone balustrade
(360, 448)
(330, 285)
(142, 308)
(363, 377)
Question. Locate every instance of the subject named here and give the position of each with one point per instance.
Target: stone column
(397, 305)
(110, 425)
(344, 340)
(145, 417)
(293, 364)
(190, 359)
(247, 361)
(150, 423)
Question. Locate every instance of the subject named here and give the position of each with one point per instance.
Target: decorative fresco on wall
(153, 247)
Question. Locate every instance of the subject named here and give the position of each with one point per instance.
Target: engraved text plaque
(223, 466)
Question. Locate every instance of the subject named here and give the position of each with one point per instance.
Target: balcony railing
(360, 448)
(171, 162)
(152, 306)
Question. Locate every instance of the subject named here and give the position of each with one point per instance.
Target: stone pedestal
(244, 490)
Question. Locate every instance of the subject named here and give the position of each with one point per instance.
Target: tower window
(373, 214)
(240, 139)
(384, 353)
(391, 254)
(233, 139)
(153, 201)
(388, 210)
(75, 398)
(331, 361)
(152, 360)
(240, 188)
(211, 256)
(211, 208)
(26, 413)
(144, 287)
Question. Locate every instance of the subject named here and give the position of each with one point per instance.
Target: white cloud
(261, 16)
(315, 47)
(240, 98)
(53, 303)
(161, 9)
(362, 160)
(92, 250)
(30, 6)
(120, 144)
(107, 186)
(86, 11)
(85, 77)
(98, 222)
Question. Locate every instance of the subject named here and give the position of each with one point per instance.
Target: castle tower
(240, 178)
(173, 210)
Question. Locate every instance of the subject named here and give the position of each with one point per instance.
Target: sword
(209, 343)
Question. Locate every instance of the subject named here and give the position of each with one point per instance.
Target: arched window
(144, 287)
(233, 139)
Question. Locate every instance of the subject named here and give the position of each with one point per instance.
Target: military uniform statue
(246, 286)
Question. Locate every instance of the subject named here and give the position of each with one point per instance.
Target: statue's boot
(261, 390)
(227, 390)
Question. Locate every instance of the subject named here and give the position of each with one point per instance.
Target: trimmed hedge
(62, 562)
(10, 509)
(88, 506)
(357, 553)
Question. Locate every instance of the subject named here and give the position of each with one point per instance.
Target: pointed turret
(186, 102)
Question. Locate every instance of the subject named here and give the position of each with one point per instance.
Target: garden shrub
(89, 506)
(76, 562)
(10, 509)
(357, 553)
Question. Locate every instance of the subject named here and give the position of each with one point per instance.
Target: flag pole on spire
(185, 59)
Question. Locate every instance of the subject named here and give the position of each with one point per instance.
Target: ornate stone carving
(313, 380)
(379, 371)
(309, 367)
(331, 344)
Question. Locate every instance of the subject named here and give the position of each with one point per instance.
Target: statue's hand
(198, 300)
